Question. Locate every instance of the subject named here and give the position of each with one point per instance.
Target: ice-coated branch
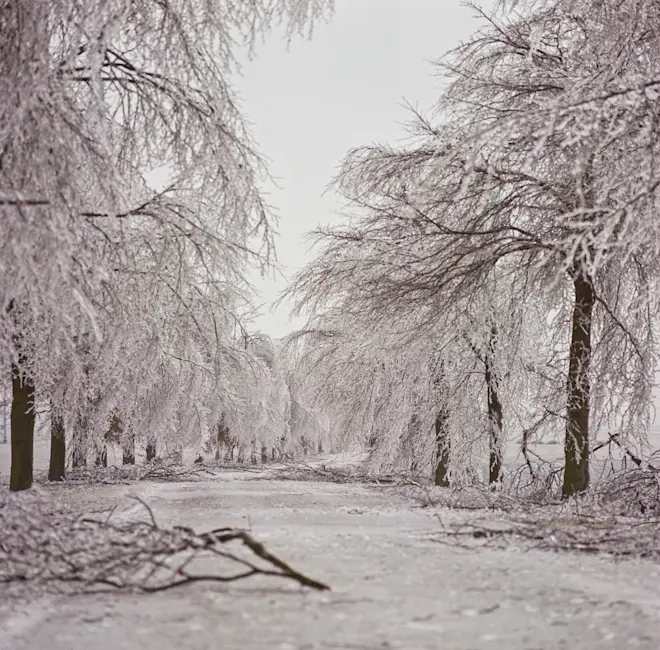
(43, 546)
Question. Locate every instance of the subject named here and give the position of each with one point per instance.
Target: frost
(513, 242)
(124, 306)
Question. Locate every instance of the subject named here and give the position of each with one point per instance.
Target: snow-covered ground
(392, 586)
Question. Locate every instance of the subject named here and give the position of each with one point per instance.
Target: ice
(392, 585)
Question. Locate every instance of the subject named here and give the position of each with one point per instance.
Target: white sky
(345, 88)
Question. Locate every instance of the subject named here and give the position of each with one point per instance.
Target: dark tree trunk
(102, 456)
(264, 454)
(320, 447)
(57, 447)
(576, 443)
(494, 414)
(128, 450)
(223, 440)
(442, 448)
(442, 438)
(22, 430)
(305, 445)
(151, 451)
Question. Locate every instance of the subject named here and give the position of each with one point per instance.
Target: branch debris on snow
(43, 546)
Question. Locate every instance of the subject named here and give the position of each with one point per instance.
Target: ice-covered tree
(519, 188)
(95, 95)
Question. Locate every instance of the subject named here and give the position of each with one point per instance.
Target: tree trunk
(494, 414)
(229, 453)
(223, 440)
(304, 443)
(264, 453)
(151, 451)
(57, 447)
(128, 450)
(22, 430)
(102, 456)
(79, 444)
(576, 443)
(442, 448)
(442, 439)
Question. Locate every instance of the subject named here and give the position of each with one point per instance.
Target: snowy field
(393, 586)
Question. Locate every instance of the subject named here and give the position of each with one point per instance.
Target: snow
(393, 586)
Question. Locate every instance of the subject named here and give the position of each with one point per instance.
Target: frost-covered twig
(572, 533)
(619, 516)
(43, 546)
(158, 472)
(301, 471)
(173, 472)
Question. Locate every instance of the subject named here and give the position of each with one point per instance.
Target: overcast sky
(344, 88)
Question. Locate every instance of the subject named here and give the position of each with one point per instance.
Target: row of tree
(499, 273)
(123, 300)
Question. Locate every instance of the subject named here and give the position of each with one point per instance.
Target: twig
(42, 546)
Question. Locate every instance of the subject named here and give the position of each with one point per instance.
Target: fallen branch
(301, 471)
(173, 472)
(160, 471)
(567, 533)
(43, 546)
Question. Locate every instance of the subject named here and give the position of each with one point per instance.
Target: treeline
(499, 275)
(124, 300)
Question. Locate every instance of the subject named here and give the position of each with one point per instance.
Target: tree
(367, 389)
(553, 92)
(57, 464)
(518, 190)
(93, 98)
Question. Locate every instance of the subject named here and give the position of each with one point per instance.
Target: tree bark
(128, 450)
(22, 430)
(151, 451)
(494, 413)
(442, 437)
(223, 439)
(102, 456)
(56, 467)
(79, 444)
(442, 448)
(576, 443)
